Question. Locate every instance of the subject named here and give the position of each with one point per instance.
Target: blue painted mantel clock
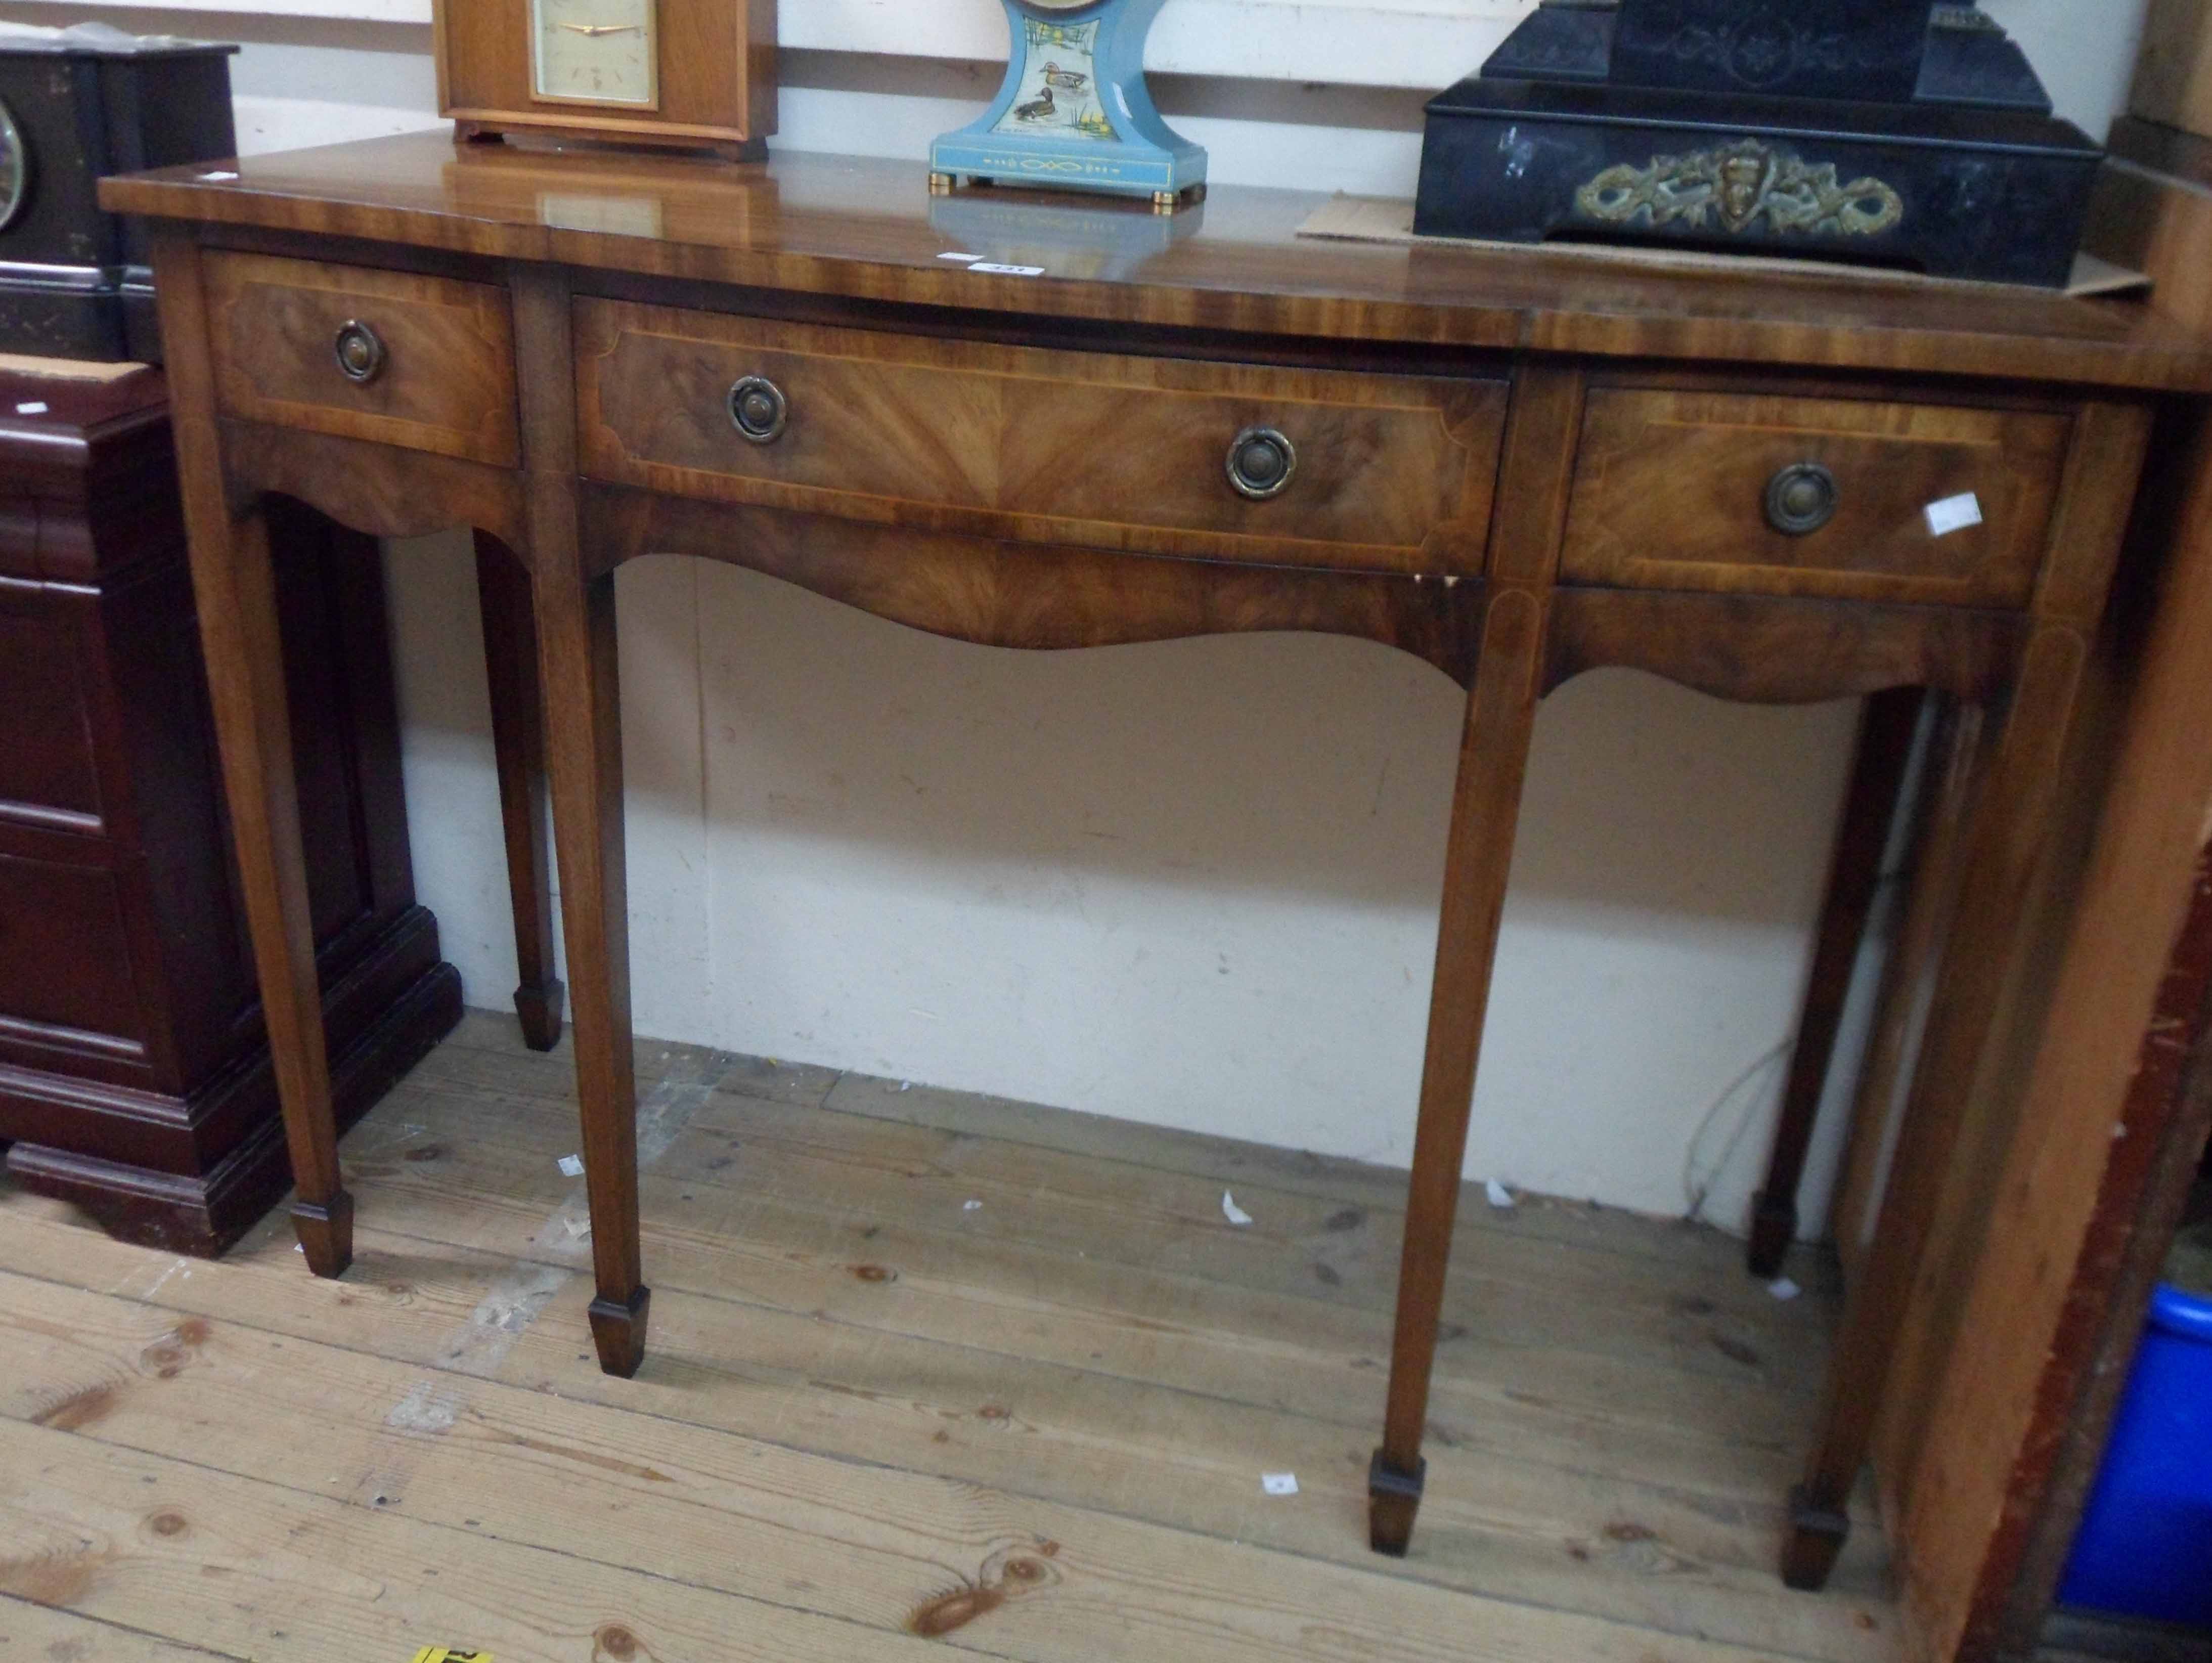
(1073, 113)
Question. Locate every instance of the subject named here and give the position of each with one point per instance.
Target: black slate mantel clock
(76, 104)
(1909, 133)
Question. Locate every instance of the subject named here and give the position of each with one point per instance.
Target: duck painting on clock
(1073, 111)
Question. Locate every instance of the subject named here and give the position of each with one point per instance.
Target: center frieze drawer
(1168, 456)
(1859, 499)
(422, 361)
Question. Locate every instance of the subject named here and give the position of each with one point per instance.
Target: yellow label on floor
(451, 1655)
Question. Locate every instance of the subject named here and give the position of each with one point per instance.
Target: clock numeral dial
(594, 51)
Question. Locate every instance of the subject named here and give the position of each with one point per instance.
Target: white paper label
(964, 258)
(1953, 513)
(996, 270)
(572, 1166)
(34, 407)
(1279, 1483)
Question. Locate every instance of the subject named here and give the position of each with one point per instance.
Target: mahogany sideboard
(1514, 465)
(134, 1079)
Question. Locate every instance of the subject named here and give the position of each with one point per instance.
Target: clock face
(594, 51)
(14, 169)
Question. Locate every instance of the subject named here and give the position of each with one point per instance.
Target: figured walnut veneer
(447, 384)
(1670, 491)
(1516, 465)
(1393, 473)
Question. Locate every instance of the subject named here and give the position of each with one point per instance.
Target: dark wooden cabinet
(134, 1078)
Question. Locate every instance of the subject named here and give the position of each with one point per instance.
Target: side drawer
(66, 978)
(430, 360)
(1386, 472)
(50, 773)
(1672, 491)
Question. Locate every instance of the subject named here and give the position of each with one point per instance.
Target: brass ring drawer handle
(360, 352)
(1800, 499)
(1261, 462)
(758, 409)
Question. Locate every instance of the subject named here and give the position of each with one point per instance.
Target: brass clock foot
(940, 185)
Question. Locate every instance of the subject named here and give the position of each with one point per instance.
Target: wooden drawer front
(64, 954)
(1392, 472)
(1670, 493)
(49, 769)
(447, 383)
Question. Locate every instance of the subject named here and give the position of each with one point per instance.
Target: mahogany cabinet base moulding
(1769, 488)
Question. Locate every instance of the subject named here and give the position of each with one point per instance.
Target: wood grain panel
(1006, 594)
(447, 386)
(1393, 473)
(1776, 649)
(1672, 485)
(370, 487)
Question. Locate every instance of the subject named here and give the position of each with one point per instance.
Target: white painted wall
(1189, 883)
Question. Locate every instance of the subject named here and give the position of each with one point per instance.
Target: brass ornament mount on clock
(695, 74)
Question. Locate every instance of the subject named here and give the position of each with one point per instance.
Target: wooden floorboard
(32, 1633)
(870, 1410)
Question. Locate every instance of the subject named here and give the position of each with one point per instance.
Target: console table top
(863, 229)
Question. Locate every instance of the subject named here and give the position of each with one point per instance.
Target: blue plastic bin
(2145, 1546)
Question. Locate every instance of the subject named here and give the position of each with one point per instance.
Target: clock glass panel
(594, 51)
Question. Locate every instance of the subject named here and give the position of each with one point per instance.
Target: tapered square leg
(1505, 620)
(1885, 749)
(539, 1006)
(1773, 1228)
(573, 609)
(1887, 1342)
(234, 593)
(1393, 1498)
(326, 1234)
(518, 731)
(618, 1330)
(1817, 1535)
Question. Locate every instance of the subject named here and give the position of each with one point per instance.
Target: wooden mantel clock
(684, 73)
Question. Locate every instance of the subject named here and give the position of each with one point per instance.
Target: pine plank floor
(928, 1371)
